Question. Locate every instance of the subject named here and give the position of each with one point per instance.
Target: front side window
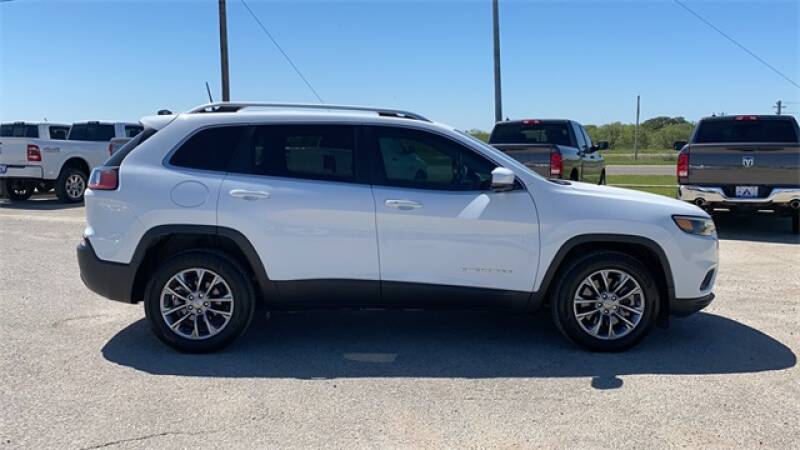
(209, 149)
(421, 160)
(318, 152)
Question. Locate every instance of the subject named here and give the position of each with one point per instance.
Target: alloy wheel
(609, 304)
(196, 303)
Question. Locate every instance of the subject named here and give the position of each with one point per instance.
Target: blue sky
(586, 60)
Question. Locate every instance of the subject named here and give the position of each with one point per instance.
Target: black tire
(571, 278)
(243, 303)
(44, 188)
(18, 190)
(796, 222)
(64, 185)
(602, 178)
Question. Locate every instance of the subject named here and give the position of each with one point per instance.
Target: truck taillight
(34, 154)
(683, 165)
(556, 164)
(104, 179)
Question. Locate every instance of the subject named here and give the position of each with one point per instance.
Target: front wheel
(18, 190)
(199, 302)
(605, 302)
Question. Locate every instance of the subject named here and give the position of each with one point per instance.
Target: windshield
(531, 133)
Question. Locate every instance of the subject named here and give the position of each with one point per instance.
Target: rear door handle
(405, 205)
(248, 195)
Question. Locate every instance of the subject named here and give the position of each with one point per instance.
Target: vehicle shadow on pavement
(39, 203)
(346, 344)
(760, 227)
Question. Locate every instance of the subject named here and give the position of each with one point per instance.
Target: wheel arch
(162, 242)
(642, 248)
(76, 162)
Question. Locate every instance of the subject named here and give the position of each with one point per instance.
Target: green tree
(480, 134)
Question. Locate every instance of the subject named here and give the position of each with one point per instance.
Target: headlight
(701, 226)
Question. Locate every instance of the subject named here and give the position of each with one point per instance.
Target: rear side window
(97, 132)
(535, 132)
(119, 155)
(759, 130)
(209, 149)
(132, 130)
(318, 152)
(19, 130)
(59, 133)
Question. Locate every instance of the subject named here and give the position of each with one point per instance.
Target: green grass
(657, 160)
(656, 184)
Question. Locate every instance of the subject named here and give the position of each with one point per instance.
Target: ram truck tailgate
(535, 156)
(743, 164)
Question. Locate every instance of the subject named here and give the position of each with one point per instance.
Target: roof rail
(238, 106)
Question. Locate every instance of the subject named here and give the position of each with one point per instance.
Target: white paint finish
(304, 229)
(476, 239)
(189, 194)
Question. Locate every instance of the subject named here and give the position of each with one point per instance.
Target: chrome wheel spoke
(606, 317)
(188, 293)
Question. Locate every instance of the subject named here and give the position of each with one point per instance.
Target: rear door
(443, 234)
(295, 192)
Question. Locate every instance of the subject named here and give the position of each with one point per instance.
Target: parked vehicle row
(207, 215)
(743, 163)
(45, 156)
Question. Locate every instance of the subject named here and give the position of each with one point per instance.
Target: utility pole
(498, 100)
(779, 106)
(223, 51)
(636, 132)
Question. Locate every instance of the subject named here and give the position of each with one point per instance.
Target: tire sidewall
(568, 284)
(230, 271)
(16, 197)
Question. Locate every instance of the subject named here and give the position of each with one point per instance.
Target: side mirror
(678, 145)
(502, 179)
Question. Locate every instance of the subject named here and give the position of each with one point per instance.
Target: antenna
(208, 89)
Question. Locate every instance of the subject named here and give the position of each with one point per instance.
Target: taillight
(556, 164)
(746, 118)
(104, 179)
(34, 154)
(683, 165)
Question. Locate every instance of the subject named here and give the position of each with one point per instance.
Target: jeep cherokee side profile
(207, 215)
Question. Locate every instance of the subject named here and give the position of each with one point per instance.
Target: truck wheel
(199, 302)
(18, 190)
(602, 178)
(605, 302)
(70, 185)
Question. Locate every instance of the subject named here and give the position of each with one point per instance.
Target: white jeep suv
(208, 215)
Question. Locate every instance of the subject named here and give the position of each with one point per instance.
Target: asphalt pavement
(78, 371)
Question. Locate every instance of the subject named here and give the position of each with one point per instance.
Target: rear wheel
(605, 302)
(70, 185)
(199, 302)
(602, 178)
(19, 190)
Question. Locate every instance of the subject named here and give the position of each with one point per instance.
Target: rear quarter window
(747, 131)
(209, 149)
(19, 130)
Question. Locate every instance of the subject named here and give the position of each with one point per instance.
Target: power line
(285, 55)
(761, 60)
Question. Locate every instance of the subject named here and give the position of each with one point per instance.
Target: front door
(443, 234)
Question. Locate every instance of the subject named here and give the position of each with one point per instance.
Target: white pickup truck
(28, 162)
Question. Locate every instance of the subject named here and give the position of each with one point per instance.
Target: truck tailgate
(14, 151)
(744, 164)
(535, 156)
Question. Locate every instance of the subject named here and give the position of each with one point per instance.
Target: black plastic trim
(111, 280)
(682, 307)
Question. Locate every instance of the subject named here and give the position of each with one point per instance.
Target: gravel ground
(78, 371)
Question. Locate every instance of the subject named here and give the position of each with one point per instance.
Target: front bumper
(111, 280)
(715, 195)
(23, 172)
(683, 307)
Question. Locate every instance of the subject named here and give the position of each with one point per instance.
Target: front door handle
(405, 205)
(248, 195)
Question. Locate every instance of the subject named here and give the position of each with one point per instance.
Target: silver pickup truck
(743, 163)
(552, 148)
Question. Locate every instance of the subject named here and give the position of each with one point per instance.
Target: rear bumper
(707, 194)
(682, 307)
(111, 280)
(23, 172)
